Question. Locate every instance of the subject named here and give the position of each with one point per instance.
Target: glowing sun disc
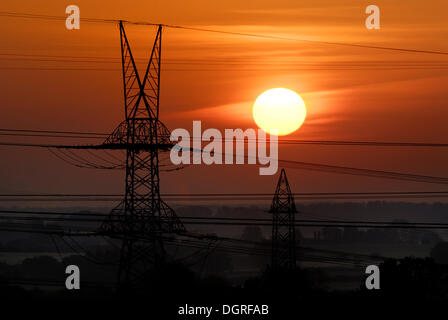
(279, 109)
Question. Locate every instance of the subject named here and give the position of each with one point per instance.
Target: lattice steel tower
(142, 217)
(283, 212)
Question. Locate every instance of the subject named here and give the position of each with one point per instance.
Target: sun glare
(279, 109)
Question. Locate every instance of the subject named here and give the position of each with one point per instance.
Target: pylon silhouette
(142, 217)
(283, 212)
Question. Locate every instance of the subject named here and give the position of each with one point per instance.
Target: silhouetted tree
(414, 278)
(440, 252)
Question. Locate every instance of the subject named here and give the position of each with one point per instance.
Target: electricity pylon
(142, 217)
(283, 212)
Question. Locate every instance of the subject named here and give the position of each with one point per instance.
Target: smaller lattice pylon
(283, 212)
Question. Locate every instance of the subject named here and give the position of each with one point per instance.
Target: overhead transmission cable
(24, 15)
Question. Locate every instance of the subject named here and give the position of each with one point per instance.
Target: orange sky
(228, 73)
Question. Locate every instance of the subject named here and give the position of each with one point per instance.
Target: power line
(218, 199)
(361, 172)
(287, 164)
(54, 131)
(310, 41)
(340, 258)
(220, 61)
(10, 14)
(64, 134)
(227, 196)
(280, 141)
(49, 136)
(229, 69)
(332, 257)
(221, 221)
(206, 62)
(221, 194)
(243, 34)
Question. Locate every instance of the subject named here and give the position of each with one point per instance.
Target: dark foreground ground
(408, 285)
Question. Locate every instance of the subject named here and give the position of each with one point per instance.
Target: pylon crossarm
(140, 134)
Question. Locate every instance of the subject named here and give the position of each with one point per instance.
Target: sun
(279, 111)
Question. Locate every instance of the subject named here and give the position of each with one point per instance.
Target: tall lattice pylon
(283, 212)
(142, 217)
